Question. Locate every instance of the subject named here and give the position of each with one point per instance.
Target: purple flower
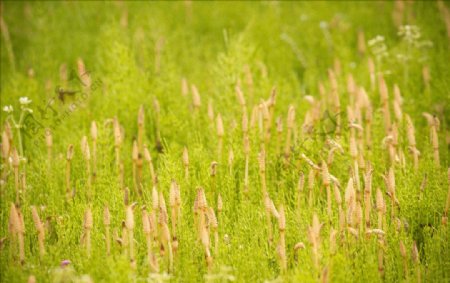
(65, 262)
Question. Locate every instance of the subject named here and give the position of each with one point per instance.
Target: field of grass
(225, 141)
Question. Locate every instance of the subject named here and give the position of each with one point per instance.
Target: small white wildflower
(323, 25)
(24, 100)
(8, 108)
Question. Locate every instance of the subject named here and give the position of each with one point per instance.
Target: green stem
(19, 132)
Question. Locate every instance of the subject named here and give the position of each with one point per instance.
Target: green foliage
(138, 52)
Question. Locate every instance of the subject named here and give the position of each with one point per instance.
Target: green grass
(212, 45)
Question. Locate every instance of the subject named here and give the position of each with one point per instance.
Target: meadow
(225, 141)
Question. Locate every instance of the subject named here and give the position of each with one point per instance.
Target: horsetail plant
(147, 228)
(40, 231)
(69, 157)
(107, 223)
(94, 136)
(88, 225)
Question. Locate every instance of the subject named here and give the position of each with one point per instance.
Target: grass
(160, 81)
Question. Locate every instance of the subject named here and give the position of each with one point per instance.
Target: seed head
(117, 132)
(196, 100)
(415, 254)
(325, 174)
(219, 203)
(94, 133)
(381, 205)
(129, 220)
(69, 155)
(141, 114)
(85, 148)
(5, 145)
(147, 155)
(145, 222)
(185, 157)
(15, 158)
(244, 122)
(88, 222)
(291, 117)
(210, 110)
(281, 219)
(184, 87)
(262, 161)
(48, 137)
(135, 151)
(36, 219)
(240, 96)
(402, 249)
(350, 192)
(201, 199)
(155, 200)
(212, 218)
(106, 217)
(410, 131)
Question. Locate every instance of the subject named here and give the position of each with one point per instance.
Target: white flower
(24, 100)
(8, 108)
(323, 25)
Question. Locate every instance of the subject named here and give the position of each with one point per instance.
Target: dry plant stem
(247, 160)
(311, 177)
(68, 162)
(129, 223)
(405, 259)
(220, 134)
(117, 142)
(148, 237)
(416, 261)
(40, 229)
(141, 129)
(148, 158)
(381, 257)
(94, 136)
(186, 164)
(368, 197)
(282, 245)
(290, 125)
(88, 224)
(381, 208)
(300, 188)
(435, 143)
(16, 183)
(121, 176)
(268, 219)
(326, 182)
(20, 237)
(107, 222)
(49, 144)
